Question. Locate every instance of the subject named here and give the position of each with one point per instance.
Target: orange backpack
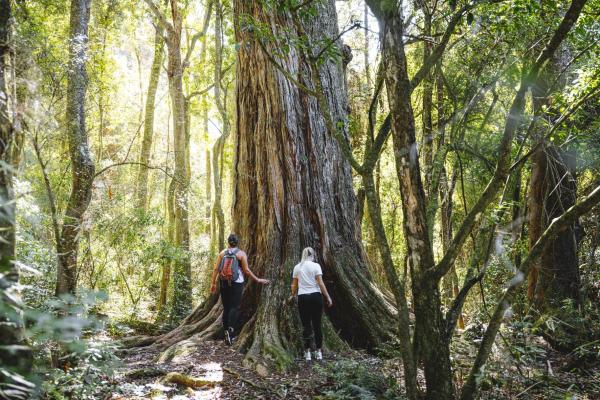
(229, 269)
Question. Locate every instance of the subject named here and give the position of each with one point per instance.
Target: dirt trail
(219, 370)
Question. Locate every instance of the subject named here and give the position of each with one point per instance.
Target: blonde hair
(308, 254)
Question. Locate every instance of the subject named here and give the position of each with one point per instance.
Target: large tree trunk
(142, 179)
(553, 190)
(82, 165)
(293, 188)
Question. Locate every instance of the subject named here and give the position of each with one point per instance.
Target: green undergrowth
(120, 328)
(332, 339)
(349, 380)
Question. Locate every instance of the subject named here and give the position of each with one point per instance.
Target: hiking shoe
(307, 356)
(229, 336)
(318, 355)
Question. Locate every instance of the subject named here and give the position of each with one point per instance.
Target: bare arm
(294, 286)
(247, 271)
(324, 290)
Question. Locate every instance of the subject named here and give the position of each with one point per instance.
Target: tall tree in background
(82, 166)
(182, 271)
(15, 355)
(142, 179)
(7, 212)
(554, 278)
(218, 216)
(179, 187)
(177, 190)
(553, 190)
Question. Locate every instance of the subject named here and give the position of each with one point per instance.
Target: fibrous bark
(555, 277)
(293, 185)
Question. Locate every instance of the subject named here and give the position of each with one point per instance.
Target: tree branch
(199, 92)
(373, 154)
(356, 25)
(564, 117)
(198, 35)
(438, 51)
(470, 281)
(49, 193)
(468, 149)
(373, 105)
(160, 17)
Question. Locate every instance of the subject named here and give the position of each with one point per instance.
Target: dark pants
(311, 308)
(231, 297)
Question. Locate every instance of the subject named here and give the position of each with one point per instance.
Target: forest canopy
(439, 161)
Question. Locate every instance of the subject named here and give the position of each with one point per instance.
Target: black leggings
(311, 308)
(231, 297)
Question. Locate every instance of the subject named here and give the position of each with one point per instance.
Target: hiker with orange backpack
(231, 265)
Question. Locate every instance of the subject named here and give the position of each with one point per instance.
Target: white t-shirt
(307, 277)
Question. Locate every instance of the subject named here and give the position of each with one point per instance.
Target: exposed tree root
(187, 346)
(270, 338)
(189, 381)
(138, 341)
(200, 320)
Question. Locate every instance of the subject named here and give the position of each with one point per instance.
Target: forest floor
(223, 376)
(530, 370)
